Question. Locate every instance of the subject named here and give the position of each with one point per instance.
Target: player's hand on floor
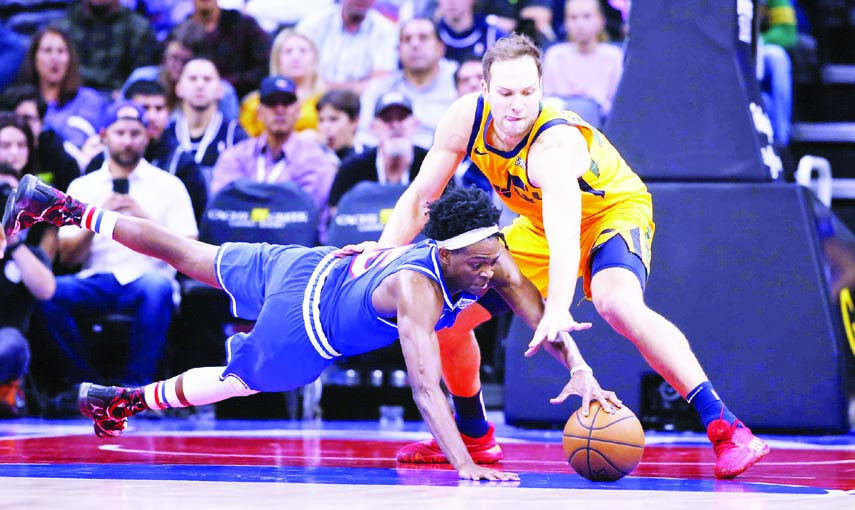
(473, 471)
(550, 327)
(586, 386)
(354, 249)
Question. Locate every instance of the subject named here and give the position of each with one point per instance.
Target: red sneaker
(484, 450)
(736, 448)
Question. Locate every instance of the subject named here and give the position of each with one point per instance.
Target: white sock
(100, 221)
(195, 387)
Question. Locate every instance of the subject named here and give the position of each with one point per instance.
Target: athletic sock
(470, 415)
(708, 404)
(195, 387)
(99, 220)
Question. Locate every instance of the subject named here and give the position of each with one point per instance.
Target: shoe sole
(25, 185)
(82, 399)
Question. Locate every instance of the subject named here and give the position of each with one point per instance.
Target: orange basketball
(603, 447)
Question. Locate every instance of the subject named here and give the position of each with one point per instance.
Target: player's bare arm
(449, 148)
(419, 305)
(524, 299)
(556, 160)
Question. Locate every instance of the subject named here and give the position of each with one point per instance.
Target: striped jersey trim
(312, 308)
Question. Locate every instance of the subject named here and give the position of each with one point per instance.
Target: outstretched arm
(525, 300)
(449, 148)
(419, 308)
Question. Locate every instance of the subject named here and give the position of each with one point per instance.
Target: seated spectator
(293, 56)
(151, 96)
(465, 34)
(514, 15)
(338, 118)
(276, 15)
(355, 44)
(58, 167)
(200, 128)
(73, 111)
(396, 160)
(235, 42)
(425, 78)
(278, 155)
(25, 277)
(114, 279)
(584, 72)
(182, 45)
(779, 33)
(116, 41)
(17, 151)
(467, 79)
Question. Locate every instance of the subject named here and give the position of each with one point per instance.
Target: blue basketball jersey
(347, 315)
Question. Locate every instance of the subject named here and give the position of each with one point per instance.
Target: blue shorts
(267, 283)
(615, 253)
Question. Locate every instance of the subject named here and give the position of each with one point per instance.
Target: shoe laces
(723, 433)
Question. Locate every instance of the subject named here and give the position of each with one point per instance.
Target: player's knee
(237, 387)
(617, 308)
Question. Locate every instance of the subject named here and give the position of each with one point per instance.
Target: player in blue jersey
(312, 305)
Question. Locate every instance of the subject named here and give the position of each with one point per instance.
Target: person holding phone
(114, 279)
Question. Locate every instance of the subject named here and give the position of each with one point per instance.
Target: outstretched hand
(586, 386)
(472, 471)
(354, 249)
(551, 324)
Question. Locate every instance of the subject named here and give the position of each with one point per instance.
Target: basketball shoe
(34, 201)
(736, 448)
(109, 407)
(484, 450)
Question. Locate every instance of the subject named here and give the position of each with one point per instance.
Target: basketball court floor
(195, 464)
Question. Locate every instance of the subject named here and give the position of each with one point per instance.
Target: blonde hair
(315, 83)
(511, 47)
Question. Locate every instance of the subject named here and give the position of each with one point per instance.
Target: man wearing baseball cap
(395, 160)
(278, 154)
(114, 279)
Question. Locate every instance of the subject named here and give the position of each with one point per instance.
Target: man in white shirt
(355, 44)
(114, 278)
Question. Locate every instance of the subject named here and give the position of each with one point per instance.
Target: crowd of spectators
(322, 94)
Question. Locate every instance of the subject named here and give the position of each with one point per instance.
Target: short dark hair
(460, 66)
(511, 47)
(343, 100)
(14, 95)
(144, 88)
(9, 119)
(460, 210)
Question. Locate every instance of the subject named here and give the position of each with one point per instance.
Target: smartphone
(121, 186)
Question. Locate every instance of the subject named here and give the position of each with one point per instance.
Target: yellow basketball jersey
(609, 183)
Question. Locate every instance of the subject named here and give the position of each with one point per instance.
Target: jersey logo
(369, 260)
(478, 152)
(516, 186)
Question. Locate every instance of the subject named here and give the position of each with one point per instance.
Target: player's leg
(34, 202)
(617, 289)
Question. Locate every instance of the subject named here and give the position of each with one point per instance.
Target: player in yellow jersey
(583, 212)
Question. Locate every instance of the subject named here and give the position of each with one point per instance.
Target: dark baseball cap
(277, 86)
(124, 109)
(390, 99)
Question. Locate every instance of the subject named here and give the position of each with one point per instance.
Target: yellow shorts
(527, 242)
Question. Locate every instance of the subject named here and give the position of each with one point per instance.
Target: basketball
(603, 447)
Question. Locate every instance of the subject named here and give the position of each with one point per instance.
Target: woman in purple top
(52, 65)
